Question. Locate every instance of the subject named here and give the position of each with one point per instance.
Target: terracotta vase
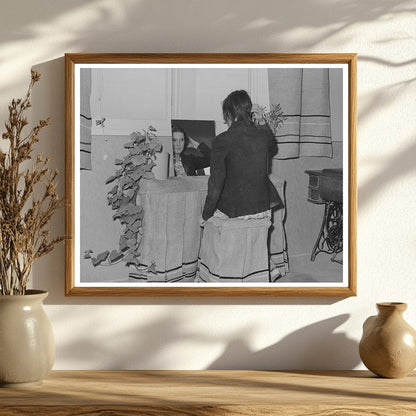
(27, 347)
(388, 345)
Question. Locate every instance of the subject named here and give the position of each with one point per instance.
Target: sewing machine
(325, 187)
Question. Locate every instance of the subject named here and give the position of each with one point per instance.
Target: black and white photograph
(210, 175)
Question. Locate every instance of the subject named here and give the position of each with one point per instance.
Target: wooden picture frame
(171, 95)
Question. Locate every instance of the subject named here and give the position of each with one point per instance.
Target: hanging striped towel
(85, 119)
(304, 97)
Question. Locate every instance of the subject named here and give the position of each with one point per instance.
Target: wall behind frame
(198, 333)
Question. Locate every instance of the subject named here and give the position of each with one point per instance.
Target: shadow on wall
(153, 344)
(249, 19)
(140, 347)
(134, 26)
(391, 170)
(314, 347)
(48, 100)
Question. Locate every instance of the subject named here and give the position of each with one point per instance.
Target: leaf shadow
(316, 346)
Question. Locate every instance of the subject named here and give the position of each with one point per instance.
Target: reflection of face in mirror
(178, 141)
(190, 157)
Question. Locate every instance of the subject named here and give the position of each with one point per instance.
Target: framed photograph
(211, 174)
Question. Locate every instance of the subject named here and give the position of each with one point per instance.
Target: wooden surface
(254, 393)
(71, 60)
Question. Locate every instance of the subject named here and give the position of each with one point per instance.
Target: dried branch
(23, 218)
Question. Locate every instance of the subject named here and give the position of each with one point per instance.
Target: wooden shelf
(202, 393)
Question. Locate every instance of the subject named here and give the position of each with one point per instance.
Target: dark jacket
(240, 161)
(195, 160)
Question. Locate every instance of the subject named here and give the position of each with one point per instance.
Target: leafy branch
(275, 117)
(136, 166)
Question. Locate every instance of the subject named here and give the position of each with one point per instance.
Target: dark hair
(237, 106)
(179, 129)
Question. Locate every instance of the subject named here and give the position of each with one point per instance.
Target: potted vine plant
(28, 200)
(135, 167)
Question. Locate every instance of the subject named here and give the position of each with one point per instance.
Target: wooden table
(254, 393)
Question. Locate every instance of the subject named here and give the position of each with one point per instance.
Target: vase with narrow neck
(27, 347)
(388, 345)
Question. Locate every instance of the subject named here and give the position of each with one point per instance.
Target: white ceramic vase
(27, 347)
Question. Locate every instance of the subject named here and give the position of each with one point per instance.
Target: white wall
(197, 333)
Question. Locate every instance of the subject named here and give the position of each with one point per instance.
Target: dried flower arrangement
(274, 117)
(28, 199)
(136, 166)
